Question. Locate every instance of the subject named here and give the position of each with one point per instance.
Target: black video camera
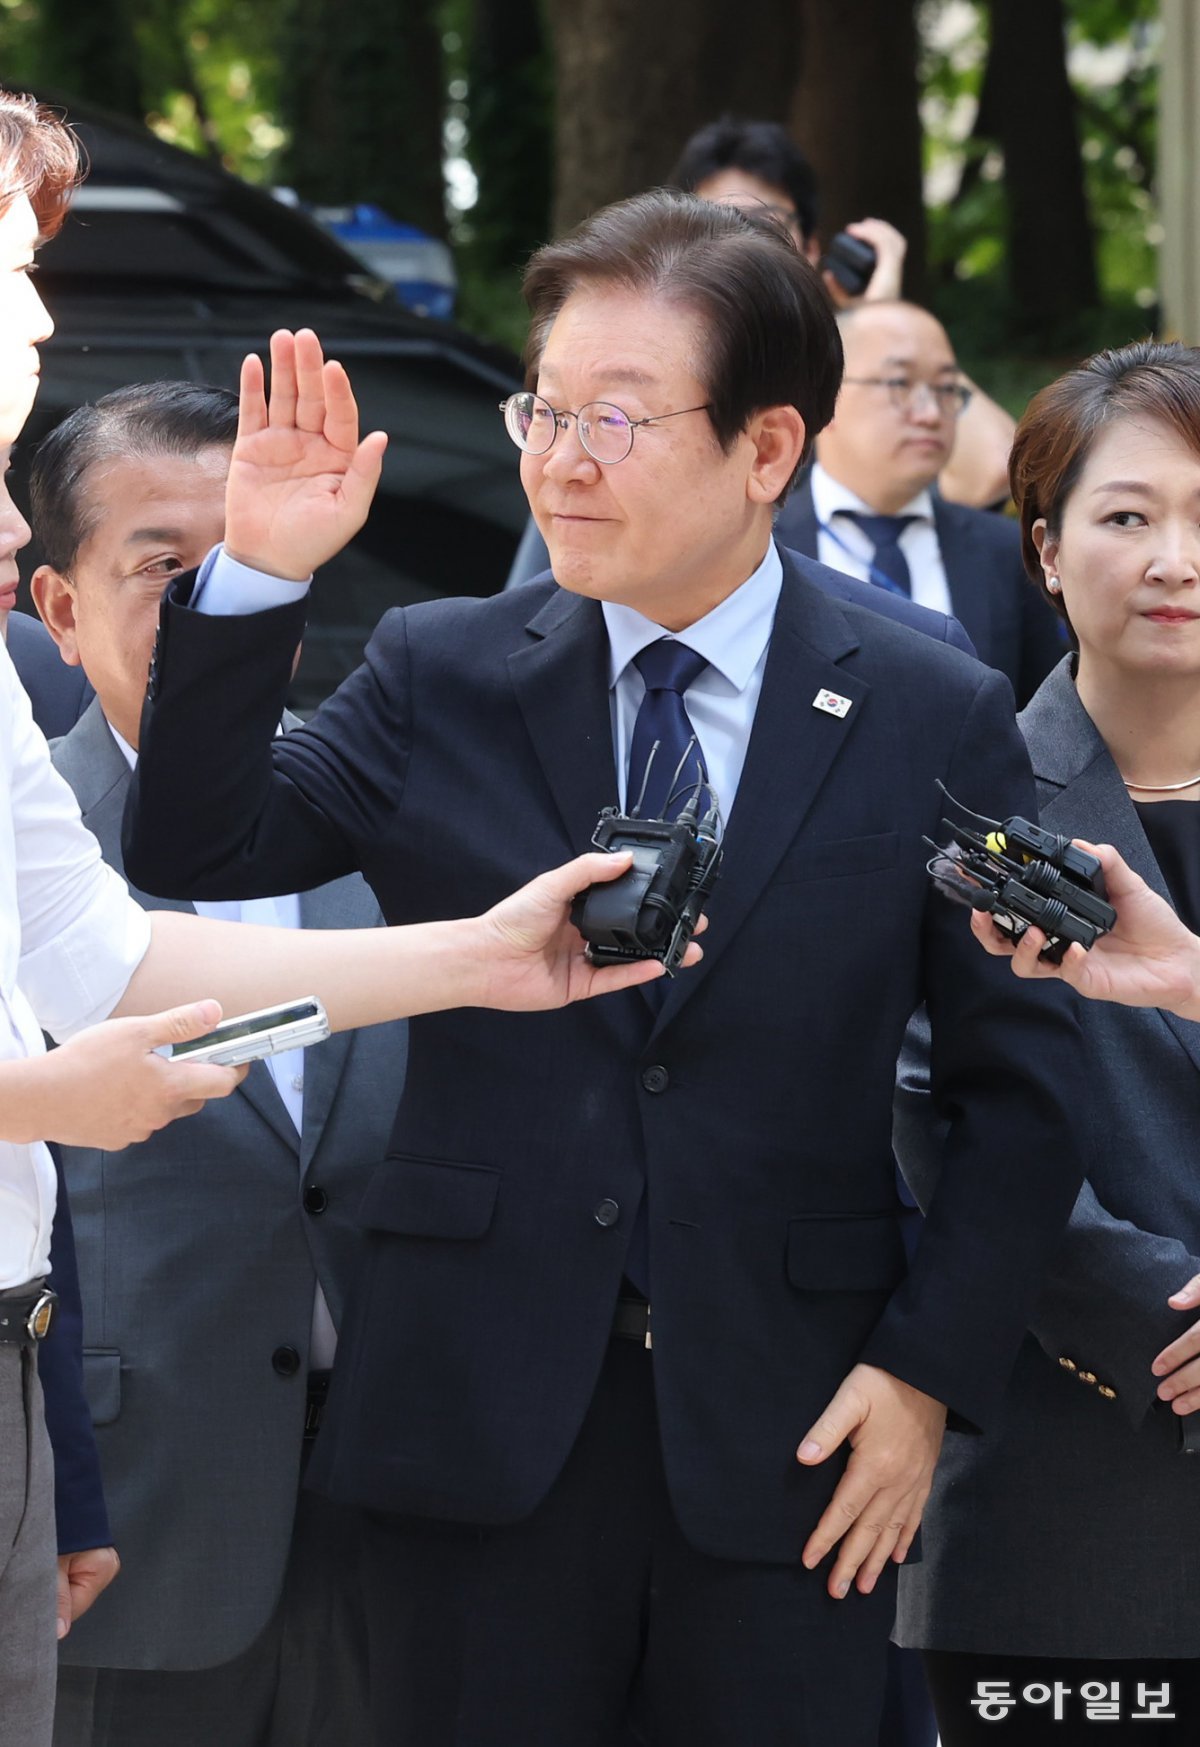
(652, 910)
(851, 262)
(1024, 875)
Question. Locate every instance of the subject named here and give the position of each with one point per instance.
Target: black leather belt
(314, 1407)
(26, 1315)
(631, 1321)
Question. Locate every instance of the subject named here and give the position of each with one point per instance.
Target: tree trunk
(87, 49)
(1051, 250)
(633, 81)
(511, 132)
(856, 113)
(362, 94)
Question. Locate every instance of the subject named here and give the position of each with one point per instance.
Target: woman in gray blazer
(1060, 1583)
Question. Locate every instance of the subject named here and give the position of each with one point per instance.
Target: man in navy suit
(636, 1386)
(869, 505)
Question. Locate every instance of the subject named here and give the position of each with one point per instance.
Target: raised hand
(300, 481)
(1150, 959)
(533, 957)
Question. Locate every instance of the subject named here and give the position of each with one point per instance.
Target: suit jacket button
(1108, 1394)
(656, 1079)
(1087, 1376)
(606, 1212)
(1068, 1364)
(286, 1361)
(315, 1199)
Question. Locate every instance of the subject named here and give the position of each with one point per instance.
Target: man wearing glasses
(636, 1387)
(869, 505)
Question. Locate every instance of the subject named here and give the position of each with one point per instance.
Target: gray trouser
(302, 1683)
(27, 1555)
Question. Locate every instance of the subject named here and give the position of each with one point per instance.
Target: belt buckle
(40, 1320)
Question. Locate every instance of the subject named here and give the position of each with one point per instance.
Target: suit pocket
(430, 1198)
(835, 858)
(861, 1252)
(102, 1383)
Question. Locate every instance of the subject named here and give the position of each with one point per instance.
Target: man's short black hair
(771, 337)
(146, 420)
(760, 148)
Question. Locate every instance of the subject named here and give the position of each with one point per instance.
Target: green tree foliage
(370, 101)
(1112, 59)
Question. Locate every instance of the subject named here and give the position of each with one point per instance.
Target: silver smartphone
(249, 1036)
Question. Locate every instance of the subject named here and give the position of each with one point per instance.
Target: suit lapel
(1072, 756)
(561, 683)
(793, 747)
(967, 574)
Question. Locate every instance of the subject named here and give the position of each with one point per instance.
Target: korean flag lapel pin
(832, 703)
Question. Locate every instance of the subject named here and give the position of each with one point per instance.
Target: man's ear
(778, 437)
(54, 598)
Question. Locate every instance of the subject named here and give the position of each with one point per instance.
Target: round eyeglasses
(604, 430)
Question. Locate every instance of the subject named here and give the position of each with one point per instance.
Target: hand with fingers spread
(1150, 959)
(300, 481)
(895, 1434)
(107, 1087)
(1179, 1363)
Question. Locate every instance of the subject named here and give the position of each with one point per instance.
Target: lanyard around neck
(874, 574)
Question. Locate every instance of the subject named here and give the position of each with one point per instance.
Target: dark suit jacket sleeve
(1104, 1303)
(78, 1489)
(218, 808)
(1006, 1074)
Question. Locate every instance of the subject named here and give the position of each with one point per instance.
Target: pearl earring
(1053, 584)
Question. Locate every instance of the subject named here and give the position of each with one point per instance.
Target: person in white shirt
(80, 960)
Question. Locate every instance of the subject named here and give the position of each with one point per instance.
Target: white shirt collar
(829, 496)
(123, 747)
(731, 638)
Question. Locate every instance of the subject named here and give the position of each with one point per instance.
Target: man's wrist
(267, 564)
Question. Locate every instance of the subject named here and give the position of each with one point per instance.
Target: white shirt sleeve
(224, 587)
(81, 936)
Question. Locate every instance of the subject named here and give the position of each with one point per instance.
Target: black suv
(168, 267)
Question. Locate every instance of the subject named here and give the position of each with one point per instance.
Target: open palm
(300, 481)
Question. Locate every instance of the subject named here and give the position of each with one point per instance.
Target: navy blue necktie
(884, 534)
(668, 669)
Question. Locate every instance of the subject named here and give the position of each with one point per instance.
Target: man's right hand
(300, 482)
(106, 1087)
